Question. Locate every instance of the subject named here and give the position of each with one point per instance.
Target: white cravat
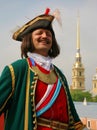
(45, 62)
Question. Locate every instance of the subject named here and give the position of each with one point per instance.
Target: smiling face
(42, 41)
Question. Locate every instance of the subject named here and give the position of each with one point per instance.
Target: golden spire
(78, 56)
(78, 31)
(78, 78)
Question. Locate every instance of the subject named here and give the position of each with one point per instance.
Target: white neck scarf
(45, 62)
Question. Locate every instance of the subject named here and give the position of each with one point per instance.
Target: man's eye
(39, 33)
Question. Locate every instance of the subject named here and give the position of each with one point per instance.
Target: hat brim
(42, 21)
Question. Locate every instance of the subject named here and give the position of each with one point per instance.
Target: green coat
(17, 97)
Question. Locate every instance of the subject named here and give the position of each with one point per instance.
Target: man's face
(42, 41)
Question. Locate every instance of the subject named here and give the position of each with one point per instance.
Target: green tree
(88, 96)
(79, 95)
(95, 98)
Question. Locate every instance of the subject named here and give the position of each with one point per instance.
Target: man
(34, 93)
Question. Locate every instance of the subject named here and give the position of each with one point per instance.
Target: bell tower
(94, 84)
(78, 78)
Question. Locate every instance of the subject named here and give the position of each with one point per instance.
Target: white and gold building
(78, 78)
(94, 84)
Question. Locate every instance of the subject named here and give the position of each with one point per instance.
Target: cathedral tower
(78, 78)
(94, 84)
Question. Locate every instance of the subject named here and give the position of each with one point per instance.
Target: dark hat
(41, 21)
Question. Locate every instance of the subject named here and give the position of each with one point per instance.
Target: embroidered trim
(13, 76)
(24, 27)
(54, 125)
(79, 125)
(47, 78)
(13, 85)
(27, 101)
(32, 95)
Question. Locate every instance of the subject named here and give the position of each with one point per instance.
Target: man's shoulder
(58, 69)
(20, 64)
(60, 73)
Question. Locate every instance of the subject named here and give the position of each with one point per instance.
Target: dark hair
(27, 46)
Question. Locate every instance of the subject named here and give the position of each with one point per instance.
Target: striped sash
(47, 101)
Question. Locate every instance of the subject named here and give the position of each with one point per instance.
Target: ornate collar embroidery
(49, 78)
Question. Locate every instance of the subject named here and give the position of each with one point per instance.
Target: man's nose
(44, 34)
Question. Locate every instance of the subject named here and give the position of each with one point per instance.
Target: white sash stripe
(49, 88)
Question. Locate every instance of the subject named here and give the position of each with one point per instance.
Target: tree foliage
(79, 95)
(95, 98)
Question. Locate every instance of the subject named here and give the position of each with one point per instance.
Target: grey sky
(16, 13)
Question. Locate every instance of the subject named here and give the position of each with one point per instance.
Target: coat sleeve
(7, 80)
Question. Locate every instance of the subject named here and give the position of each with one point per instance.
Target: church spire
(78, 78)
(78, 32)
(78, 56)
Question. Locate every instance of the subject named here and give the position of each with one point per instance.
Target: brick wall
(90, 123)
